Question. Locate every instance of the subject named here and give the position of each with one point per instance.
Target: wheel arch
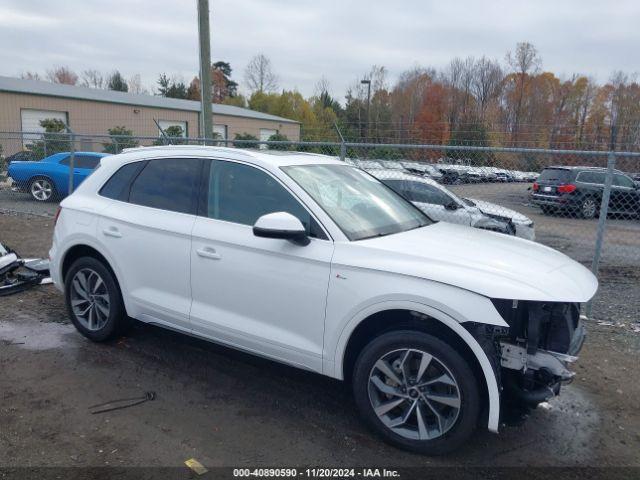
(428, 320)
(83, 250)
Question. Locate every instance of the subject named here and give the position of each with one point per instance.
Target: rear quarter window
(117, 187)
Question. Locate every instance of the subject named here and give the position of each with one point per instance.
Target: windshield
(358, 203)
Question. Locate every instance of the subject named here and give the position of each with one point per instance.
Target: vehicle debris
(18, 274)
(121, 403)
(196, 466)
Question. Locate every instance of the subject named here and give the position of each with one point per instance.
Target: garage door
(265, 134)
(31, 121)
(221, 130)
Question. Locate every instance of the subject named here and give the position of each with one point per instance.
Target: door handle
(112, 232)
(208, 252)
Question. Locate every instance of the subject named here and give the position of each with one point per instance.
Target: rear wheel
(42, 189)
(588, 208)
(547, 210)
(416, 392)
(94, 301)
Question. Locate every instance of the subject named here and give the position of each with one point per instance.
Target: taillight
(536, 187)
(566, 188)
(55, 219)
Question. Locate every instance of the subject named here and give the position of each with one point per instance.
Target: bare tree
(30, 75)
(525, 62)
(259, 75)
(92, 79)
(62, 74)
(321, 87)
(135, 85)
(487, 78)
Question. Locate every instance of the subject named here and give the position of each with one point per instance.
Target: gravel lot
(229, 409)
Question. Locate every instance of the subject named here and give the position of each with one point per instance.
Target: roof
(262, 158)
(55, 157)
(573, 167)
(389, 174)
(37, 87)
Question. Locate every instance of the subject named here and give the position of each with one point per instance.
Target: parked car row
(449, 174)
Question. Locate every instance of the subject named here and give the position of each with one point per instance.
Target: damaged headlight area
(533, 355)
(496, 223)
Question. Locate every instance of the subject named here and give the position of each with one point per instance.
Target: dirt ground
(226, 408)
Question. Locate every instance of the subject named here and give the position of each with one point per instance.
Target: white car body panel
(256, 291)
(300, 304)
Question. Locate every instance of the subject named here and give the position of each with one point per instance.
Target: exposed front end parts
(536, 352)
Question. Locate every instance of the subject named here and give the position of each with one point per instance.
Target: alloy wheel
(90, 300)
(41, 189)
(589, 208)
(414, 394)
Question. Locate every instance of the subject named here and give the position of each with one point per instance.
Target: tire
(589, 208)
(441, 433)
(91, 287)
(42, 189)
(546, 210)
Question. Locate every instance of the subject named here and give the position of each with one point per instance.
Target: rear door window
(168, 184)
(596, 178)
(622, 181)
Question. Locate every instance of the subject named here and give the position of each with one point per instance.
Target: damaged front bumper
(535, 353)
(516, 357)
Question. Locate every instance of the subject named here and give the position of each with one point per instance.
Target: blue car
(48, 179)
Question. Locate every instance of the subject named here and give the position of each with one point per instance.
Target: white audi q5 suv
(308, 261)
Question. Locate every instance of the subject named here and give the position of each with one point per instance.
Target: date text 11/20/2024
(317, 472)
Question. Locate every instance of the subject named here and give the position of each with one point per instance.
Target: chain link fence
(584, 203)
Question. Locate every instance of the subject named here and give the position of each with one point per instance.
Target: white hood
(488, 263)
(493, 209)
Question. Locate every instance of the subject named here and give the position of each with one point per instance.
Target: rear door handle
(112, 232)
(208, 252)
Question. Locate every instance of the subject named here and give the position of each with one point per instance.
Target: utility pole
(206, 112)
(368, 84)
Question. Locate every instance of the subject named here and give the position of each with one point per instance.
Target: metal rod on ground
(72, 158)
(206, 110)
(602, 220)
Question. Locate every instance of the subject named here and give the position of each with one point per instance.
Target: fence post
(115, 141)
(343, 147)
(602, 220)
(71, 160)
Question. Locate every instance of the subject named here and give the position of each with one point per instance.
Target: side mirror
(451, 206)
(281, 225)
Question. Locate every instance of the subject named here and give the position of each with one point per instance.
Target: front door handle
(112, 232)
(208, 252)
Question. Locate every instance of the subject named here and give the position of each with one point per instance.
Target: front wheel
(416, 392)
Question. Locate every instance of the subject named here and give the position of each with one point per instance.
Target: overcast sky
(308, 39)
